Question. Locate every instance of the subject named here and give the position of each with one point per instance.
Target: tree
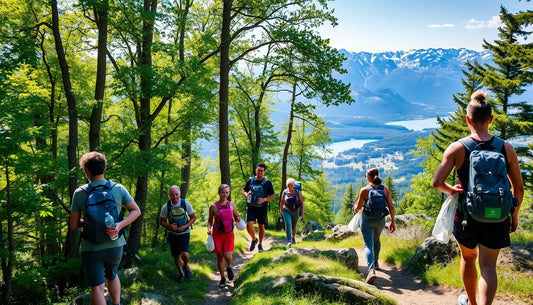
(345, 213)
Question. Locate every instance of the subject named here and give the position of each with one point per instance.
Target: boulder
(154, 299)
(315, 236)
(405, 220)
(340, 232)
(430, 252)
(312, 226)
(337, 289)
(278, 284)
(348, 257)
(330, 226)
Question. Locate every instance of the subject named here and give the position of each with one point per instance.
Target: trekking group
(486, 167)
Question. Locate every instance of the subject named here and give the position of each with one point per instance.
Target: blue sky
(391, 25)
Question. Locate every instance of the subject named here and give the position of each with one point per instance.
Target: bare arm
(301, 199)
(449, 161)
(281, 203)
(211, 218)
(515, 177)
(76, 222)
(363, 195)
(392, 212)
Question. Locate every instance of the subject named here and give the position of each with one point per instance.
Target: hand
(181, 228)
(392, 227)
(208, 231)
(457, 189)
(173, 227)
(514, 224)
(113, 231)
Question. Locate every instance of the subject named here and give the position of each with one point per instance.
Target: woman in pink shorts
(220, 224)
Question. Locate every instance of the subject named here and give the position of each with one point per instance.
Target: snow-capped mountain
(404, 84)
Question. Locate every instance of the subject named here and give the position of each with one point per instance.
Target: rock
(405, 220)
(330, 226)
(430, 252)
(337, 288)
(154, 299)
(340, 232)
(348, 257)
(278, 284)
(520, 256)
(315, 236)
(312, 226)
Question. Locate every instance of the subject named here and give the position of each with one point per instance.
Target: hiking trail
(398, 284)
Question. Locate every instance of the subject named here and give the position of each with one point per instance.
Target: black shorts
(178, 243)
(490, 235)
(259, 213)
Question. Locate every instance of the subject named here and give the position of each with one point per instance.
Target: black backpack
(376, 205)
(488, 197)
(99, 201)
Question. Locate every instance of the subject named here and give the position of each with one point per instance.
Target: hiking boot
(289, 244)
(371, 277)
(181, 278)
(462, 299)
(260, 248)
(254, 242)
(230, 273)
(222, 283)
(188, 273)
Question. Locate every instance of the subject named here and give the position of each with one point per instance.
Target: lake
(416, 125)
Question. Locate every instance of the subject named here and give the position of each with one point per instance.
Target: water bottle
(110, 223)
(249, 199)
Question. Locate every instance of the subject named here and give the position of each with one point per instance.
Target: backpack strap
(184, 206)
(169, 207)
(469, 143)
(497, 143)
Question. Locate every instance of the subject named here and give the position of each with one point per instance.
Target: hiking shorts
(224, 242)
(257, 213)
(178, 243)
(490, 235)
(100, 265)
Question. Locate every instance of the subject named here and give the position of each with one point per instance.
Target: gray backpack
(488, 197)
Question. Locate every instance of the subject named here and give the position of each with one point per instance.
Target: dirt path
(397, 284)
(222, 296)
(408, 290)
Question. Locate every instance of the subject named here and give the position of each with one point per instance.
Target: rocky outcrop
(338, 289)
(339, 233)
(430, 252)
(312, 226)
(346, 256)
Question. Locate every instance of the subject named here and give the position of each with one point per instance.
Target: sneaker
(181, 278)
(260, 248)
(188, 273)
(254, 242)
(222, 283)
(462, 299)
(289, 244)
(293, 240)
(230, 273)
(371, 277)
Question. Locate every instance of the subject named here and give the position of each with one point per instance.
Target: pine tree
(345, 213)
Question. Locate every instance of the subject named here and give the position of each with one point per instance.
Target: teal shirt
(122, 197)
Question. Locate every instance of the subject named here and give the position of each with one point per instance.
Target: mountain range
(403, 85)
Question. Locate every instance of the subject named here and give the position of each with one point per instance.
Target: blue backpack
(258, 191)
(99, 201)
(376, 205)
(488, 197)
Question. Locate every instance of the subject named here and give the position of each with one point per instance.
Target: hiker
(479, 240)
(220, 226)
(177, 217)
(101, 257)
(373, 201)
(258, 191)
(291, 207)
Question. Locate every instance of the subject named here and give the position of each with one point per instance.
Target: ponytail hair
(479, 109)
(373, 173)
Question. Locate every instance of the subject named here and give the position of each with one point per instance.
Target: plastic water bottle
(110, 223)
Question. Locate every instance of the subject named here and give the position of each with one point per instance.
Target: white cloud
(440, 26)
(473, 24)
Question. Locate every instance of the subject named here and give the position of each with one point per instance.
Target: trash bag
(443, 229)
(355, 223)
(241, 225)
(210, 243)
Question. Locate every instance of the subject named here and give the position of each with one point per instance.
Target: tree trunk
(223, 135)
(101, 15)
(7, 260)
(287, 143)
(145, 124)
(70, 245)
(187, 157)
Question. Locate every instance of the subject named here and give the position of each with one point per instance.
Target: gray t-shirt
(122, 197)
(188, 208)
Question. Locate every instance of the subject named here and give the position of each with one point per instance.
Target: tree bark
(70, 244)
(287, 143)
(223, 135)
(101, 15)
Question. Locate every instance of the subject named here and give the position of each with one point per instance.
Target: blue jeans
(291, 221)
(371, 230)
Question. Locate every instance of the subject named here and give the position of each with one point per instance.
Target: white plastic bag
(443, 228)
(355, 223)
(241, 224)
(210, 243)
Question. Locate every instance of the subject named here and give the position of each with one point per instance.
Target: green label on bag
(493, 212)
